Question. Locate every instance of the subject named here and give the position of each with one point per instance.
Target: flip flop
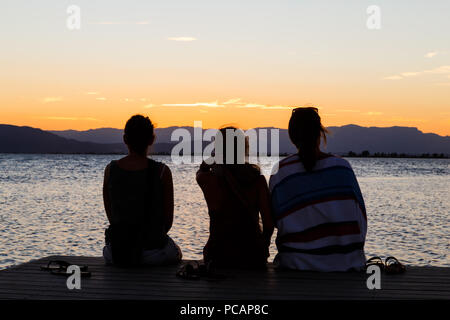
(53, 265)
(375, 261)
(61, 272)
(188, 271)
(393, 266)
(194, 270)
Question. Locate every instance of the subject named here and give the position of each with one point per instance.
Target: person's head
(244, 172)
(139, 134)
(229, 140)
(306, 131)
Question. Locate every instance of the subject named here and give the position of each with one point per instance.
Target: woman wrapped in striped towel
(317, 204)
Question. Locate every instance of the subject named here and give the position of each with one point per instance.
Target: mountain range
(341, 140)
(408, 140)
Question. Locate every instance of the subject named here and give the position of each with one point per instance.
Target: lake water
(52, 204)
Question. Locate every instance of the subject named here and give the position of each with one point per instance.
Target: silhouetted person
(317, 204)
(236, 195)
(138, 198)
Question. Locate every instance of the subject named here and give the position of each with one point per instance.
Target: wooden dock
(27, 281)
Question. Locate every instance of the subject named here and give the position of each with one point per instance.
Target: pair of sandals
(194, 270)
(59, 267)
(390, 266)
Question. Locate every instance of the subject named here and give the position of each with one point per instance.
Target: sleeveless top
(137, 203)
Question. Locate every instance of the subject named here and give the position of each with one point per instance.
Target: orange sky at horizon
(103, 113)
(90, 109)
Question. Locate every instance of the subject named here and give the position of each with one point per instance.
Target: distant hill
(102, 135)
(14, 139)
(406, 140)
(111, 135)
(341, 140)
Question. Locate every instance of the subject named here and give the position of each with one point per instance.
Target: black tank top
(137, 203)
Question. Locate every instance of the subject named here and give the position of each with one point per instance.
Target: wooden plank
(26, 281)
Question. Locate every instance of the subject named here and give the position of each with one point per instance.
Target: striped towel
(320, 215)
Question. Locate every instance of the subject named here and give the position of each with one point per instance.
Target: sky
(245, 63)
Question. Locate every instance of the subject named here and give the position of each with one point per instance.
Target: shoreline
(374, 156)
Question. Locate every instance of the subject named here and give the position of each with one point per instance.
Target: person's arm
(207, 181)
(265, 210)
(167, 184)
(106, 200)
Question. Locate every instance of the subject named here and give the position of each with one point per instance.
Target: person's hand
(204, 167)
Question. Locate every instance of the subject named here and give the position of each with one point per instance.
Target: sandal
(393, 266)
(60, 265)
(375, 261)
(188, 271)
(194, 270)
(61, 272)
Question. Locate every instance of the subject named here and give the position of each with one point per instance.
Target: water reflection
(52, 204)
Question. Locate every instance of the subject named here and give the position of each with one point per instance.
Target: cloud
(373, 113)
(148, 106)
(235, 103)
(91, 93)
(101, 99)
(278, 107)
(409, 74)
(393, 78)
(431, 54)
(51, 99)
(264, 106)
(252, 105)
(232, 101)
(438, 70)
(182, 39)
(214, 104)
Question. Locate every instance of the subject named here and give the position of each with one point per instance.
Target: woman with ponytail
(317, 205)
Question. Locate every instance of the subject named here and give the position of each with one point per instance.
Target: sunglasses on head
(303, 109)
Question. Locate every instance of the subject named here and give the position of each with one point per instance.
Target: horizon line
(175, 126)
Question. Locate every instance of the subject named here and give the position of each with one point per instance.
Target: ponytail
(306, 131)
